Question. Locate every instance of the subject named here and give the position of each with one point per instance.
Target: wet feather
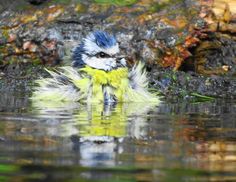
(91, 85)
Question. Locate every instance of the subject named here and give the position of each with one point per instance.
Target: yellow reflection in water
(97, 119)
(96, 127)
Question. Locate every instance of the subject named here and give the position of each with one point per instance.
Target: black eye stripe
(102, 55)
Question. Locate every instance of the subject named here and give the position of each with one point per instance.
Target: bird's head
(99, 50)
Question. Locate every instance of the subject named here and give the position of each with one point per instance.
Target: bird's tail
(139, 83)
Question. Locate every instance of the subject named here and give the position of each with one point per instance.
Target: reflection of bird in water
(101, 129)
(99, 74)
(96, 130)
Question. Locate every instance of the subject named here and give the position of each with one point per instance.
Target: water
(126, 142)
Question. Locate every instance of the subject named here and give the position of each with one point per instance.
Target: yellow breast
(101, 77)
(117, 79)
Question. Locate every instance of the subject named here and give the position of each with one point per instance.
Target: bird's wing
(63, 85)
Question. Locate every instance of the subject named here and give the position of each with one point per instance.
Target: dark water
(127, 142)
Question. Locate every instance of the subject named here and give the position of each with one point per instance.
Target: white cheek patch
(111, 62)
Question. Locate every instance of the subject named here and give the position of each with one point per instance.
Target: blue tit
(99, 74)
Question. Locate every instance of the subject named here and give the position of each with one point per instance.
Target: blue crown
(104, 40)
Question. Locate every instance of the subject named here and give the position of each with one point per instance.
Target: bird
(98, 74)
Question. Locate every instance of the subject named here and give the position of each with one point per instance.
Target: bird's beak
(121, 61)
(120, 56)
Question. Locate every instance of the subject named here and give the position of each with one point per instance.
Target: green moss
(23, 6)
(157, 7)
(117, 2)
(37, 61)
(6, 168)
(65, 2)
(4, 178)
(202, 98)
(5, 33)
(12, 60)
(80, 8)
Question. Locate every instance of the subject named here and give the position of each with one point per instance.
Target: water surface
(124, 142)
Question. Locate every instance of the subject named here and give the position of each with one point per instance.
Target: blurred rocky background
(188, 45)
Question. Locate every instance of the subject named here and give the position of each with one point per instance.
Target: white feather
(57, 90)
(138, 76)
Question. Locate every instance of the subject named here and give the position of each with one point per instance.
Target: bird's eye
(102, 55)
